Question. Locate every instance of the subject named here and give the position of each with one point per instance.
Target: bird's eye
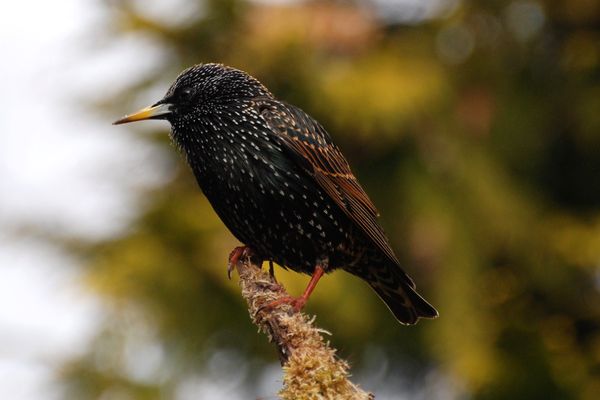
(186, 94)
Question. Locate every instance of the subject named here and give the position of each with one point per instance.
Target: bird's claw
(235, 256)
(230, 267)
(297, 303)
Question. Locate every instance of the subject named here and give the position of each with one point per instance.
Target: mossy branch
(311, 368)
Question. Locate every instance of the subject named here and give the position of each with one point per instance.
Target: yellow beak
(153, 112)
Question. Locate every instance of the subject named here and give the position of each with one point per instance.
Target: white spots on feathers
(263, 197)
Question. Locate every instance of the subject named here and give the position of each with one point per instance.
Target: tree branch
(311, 369)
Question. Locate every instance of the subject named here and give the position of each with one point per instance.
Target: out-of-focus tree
(475, 127)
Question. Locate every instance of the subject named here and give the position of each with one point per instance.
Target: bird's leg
(298, 303)
(235, 256)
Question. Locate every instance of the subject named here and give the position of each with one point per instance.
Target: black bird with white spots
(279, 183)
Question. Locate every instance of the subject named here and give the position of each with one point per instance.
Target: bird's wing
(311, 146)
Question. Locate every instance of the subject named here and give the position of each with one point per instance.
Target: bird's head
(200, 90)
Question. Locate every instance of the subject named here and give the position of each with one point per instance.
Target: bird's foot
(235, 256)
(297, 303)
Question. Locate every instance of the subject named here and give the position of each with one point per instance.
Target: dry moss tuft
(311, 369)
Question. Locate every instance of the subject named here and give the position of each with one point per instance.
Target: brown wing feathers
(326, 163)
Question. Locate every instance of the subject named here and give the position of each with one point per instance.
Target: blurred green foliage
(477, 133)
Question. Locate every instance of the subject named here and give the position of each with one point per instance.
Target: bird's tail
(397, 291)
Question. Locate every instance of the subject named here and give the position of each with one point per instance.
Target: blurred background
(474, 126)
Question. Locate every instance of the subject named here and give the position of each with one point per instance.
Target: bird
(280, 184)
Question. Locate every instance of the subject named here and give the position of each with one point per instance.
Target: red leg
(235, 255)
(298, 303)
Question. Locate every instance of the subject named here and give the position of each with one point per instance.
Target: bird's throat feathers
(214, 144)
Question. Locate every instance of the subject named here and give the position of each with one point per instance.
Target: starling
(280, 185)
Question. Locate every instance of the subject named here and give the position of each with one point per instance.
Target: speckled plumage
(280, 184)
